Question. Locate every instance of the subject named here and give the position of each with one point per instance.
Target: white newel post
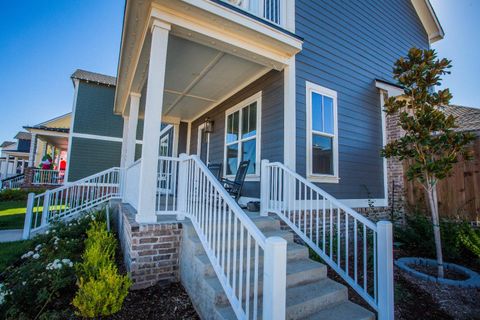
(275, 278)
(182, 186)
(264, 187)
(385, 271)
(46, 208)
(33, 146)
(152, 123)
(131, 138)
(28, 217)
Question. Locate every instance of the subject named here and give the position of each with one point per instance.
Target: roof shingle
(94, 77)
(468, 119)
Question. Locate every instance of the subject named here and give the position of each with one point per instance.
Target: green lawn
(12, 214)
(11, 251)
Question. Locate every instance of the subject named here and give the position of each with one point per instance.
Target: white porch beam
(131, 138)
(152, 123)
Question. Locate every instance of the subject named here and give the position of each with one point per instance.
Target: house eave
(429, 20)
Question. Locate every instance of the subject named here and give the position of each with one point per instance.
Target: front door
(203, 144)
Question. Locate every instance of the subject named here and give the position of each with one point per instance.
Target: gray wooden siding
(347, 45)
(89, 156)
(271, 146)
(94, 111)
(182, 137)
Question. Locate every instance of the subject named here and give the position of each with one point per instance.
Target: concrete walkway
(10, 235)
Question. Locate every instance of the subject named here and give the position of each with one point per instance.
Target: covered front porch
(221, 93)
(47, 159)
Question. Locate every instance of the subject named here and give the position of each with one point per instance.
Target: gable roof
(429, 20)
(48, 123)
(6, 144)
(94, 77)
(468, 119)
(23, 135)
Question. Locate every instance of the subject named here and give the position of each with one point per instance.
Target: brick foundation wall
(150, 251)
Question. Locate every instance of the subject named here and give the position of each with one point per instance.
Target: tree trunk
(432, 199)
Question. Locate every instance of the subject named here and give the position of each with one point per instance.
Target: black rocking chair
(216, 169)
(234, 188)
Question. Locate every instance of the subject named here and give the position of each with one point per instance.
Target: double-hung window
(322, 134)
(242, 136)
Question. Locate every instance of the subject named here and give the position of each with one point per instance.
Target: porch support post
(33, 149)
(15, 164)
(152, 123)
(289, 122)
(5, 167)
(131, 138)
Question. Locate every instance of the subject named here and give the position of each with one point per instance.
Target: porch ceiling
(198, 77)
(57, 141)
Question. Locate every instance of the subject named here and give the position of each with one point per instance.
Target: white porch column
(5, 167)
(23, 166)
(15, 164)
(33, 150)
(289, 124)
(131, 139)
(152, 123)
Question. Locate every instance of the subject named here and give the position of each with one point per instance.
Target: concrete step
(198, 247)
(343, 311)
(262, 223)
(303, 300)
(294, 252)
(298, 272)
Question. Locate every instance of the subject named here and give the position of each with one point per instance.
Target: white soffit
(429, 20)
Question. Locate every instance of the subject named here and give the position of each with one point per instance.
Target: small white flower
(27, 255)
(24, 283)
(36, 256)
(38, 247)
(47, 232)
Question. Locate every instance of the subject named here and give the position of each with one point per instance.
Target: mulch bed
(433, 271)
(166, 302)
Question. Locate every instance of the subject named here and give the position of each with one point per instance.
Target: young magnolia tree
(431, 145)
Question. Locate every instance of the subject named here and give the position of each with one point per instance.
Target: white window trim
(255, 98)
(199, 142)
(323, 178)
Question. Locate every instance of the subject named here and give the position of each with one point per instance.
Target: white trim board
(96, 137)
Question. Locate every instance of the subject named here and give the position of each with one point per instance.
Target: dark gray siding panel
(138, 151)
(182, 137)
(271, 146)
(89, 156)
(347, 45)
(94, 111)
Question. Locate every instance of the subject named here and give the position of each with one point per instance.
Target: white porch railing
(167, 178)
(131, 182)
(359, 250)
(70, 199)
(47, 177)
(14, 182)
(239, 252)
(271, 10)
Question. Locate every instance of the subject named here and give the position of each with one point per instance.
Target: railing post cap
(276, 241)
(384, 223)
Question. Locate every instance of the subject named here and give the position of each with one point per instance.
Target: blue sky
(43, 42)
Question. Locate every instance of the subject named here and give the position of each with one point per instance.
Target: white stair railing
(14, 182)
(240, 254)
(68, 200)
(47, 177)
(359, 250)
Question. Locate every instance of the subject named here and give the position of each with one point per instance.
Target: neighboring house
(294, 87)
(48, 138)
(14, 157)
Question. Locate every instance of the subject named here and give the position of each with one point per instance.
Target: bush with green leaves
(41, 284)
(418, 239)
(17, 194)
(470, 238)
(101, 289)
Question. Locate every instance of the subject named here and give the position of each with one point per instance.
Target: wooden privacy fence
(458, 194)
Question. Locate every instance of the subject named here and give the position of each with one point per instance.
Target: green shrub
(417, 236)
(101, 289)
(41, 284)
(17, 194)
(471, 240)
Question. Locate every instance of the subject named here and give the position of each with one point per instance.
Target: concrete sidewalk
(11, 235)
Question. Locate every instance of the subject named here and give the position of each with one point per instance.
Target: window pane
(249, 121)
(328, 114)
(232, 127)
(317, 117)
(249, 151)
(322, 155)
(232, 159)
